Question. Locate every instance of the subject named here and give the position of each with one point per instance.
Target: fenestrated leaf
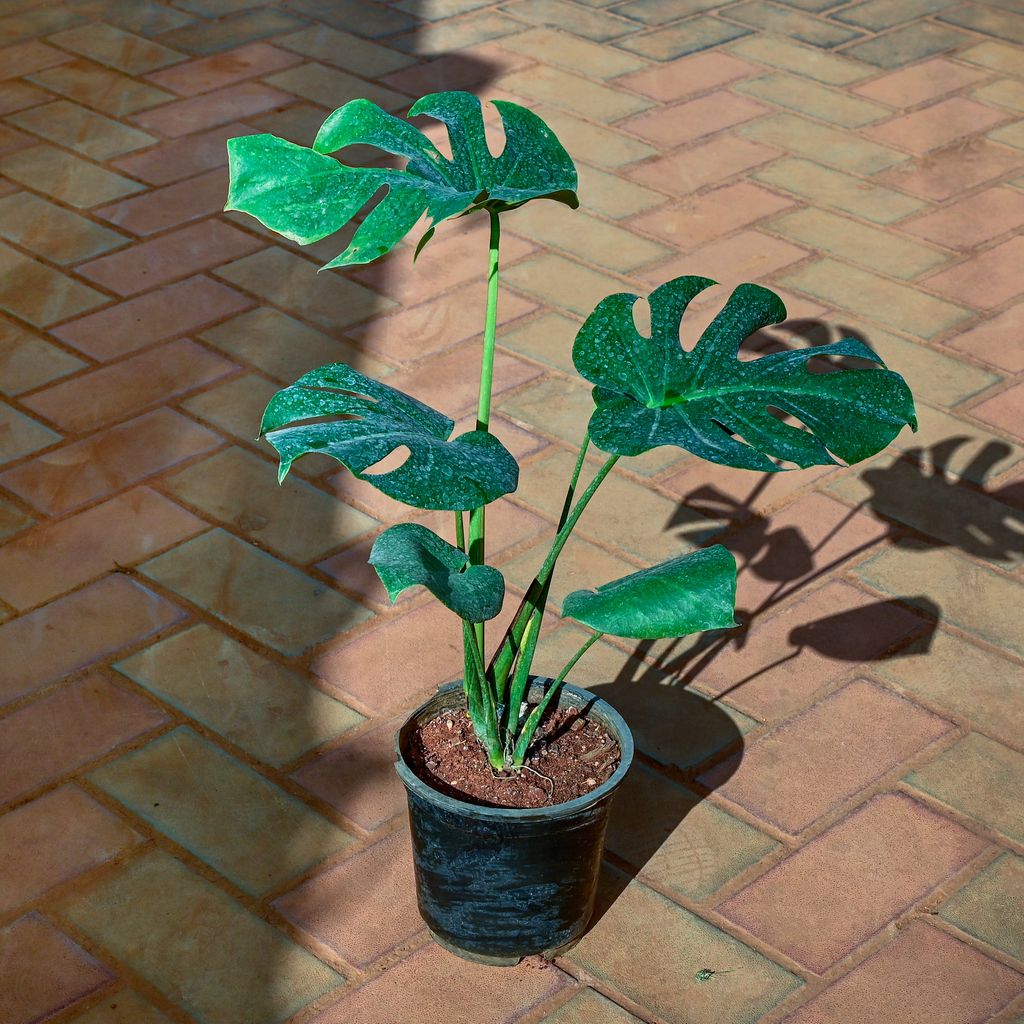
(306, 195)
(686, 594)
(410, 555)
(651, 392)
(439, 473)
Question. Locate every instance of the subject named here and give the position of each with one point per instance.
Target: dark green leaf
(458, 474)
(410, 555)
(306, 195)
(684, 595)
(651, 392)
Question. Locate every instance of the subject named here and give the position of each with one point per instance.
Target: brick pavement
(201, 678)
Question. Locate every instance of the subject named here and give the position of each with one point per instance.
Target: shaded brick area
(200, 679)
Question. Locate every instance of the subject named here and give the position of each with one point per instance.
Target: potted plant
(506, 865)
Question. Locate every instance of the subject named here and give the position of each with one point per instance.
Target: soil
(571, 756)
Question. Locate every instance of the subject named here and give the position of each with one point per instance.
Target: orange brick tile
(814, 762)
(196, 114)
(96, 86)
(122, 389)
(695, 220)
(986, 280)
(42, 971)
(63, 731)
(172, 256)
(32, 55)
(969, 222)
(672, 80)
(410, 990)
(52, 840)
(173, 310)
(53, 558)
(668, 127)
(704, 164)
(937, 125)
(182, 158)
(78, 630)
(1004, 411)
(923, 976)
(363, 907)
(223, 69)
(171, 205)
(997, 341)
(926, 81)
(358, 778)
(108, 461)
(16, 95)
(792, 907)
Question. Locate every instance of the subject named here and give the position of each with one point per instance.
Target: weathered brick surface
(200, 677)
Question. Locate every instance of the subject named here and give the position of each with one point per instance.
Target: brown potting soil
(571, 755)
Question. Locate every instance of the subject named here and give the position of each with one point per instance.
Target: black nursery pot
(495, 884)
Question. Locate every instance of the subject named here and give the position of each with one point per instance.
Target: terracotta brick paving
(199, 821)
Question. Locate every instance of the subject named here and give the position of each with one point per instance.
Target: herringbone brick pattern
(200, 676)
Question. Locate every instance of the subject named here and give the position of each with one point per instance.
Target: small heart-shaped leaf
(410, 555)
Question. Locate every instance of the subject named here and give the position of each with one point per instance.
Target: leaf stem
(530, 727)
(483, 412)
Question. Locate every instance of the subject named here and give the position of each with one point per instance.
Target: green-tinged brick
(878, 15)
(1006, 92)
(53, 232)
(679, 840)
(12, 519)
(546, 339)
(84, 131)
(970, 682)
(991, 906)
(588, 238)
(906, 45)
(333, 88)
(224, 812)
(262, 707)
(254, 592)
(598, 26)
(561, 49)
(785, 90)
(39, 294)
(328, 300)
(442, 37)
(803, 27)
(830, 68)
(671, 723)
(975, 599)
(355, 55)
(118, 49)
(896, 305)
(196, 945)
(843, 150)
(123, 1007)
(96, 86)
(293, 518)
(1004, 25)
(590, 1007)
(613, 196)
(689, 36)
(235, 30)
(561, 282)
(285, 348)
(997, 56)
(979, 778)
(871, 247)
(592, 100)
(66, 177)
(594, 143)
(1009, 135)
(653, 951)
(27, 361)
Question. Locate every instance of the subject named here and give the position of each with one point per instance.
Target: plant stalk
(483, 413)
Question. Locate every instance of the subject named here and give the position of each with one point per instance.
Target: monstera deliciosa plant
(756, 413)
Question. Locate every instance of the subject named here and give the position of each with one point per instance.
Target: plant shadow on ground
(922, 505)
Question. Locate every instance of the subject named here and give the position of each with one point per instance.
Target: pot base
(499, 961)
